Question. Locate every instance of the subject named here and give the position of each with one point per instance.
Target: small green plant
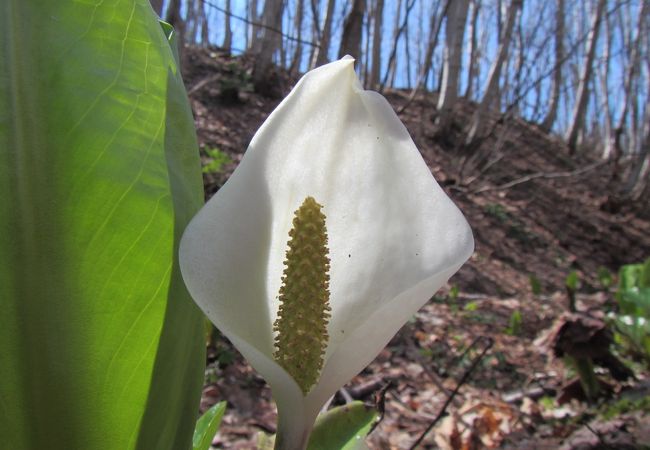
(514, 325)
(632, 322)
(547, 402)
(571, 284)
(235, 80)
(535, 285)
(218, 159)
(452, 298)
(571, 281)
(605, 278)
(471, 306)
(497, 211)
(625, 405)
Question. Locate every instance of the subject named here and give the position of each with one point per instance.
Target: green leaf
(514, 325)
(571, 281)
(101, 345)
(217, 160)
(634, 276)
(207, 426)
(605, 277)
(535, 285)
(342, 428)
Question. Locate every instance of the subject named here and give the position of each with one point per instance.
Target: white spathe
(394, 236)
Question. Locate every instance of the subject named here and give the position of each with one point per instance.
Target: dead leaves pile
(477, 424)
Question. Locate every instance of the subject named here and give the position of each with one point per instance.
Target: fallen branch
(545, 175)
(198, 86)
(362, 390)
(380, 404)
(460, 383)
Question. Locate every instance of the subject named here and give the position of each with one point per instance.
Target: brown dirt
(541, 228)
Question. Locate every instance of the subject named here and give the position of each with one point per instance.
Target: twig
(360, 391)
(598, 435)
(380, 404)
(534, 176)
(400, 30)
(346, 395)
(260, 25)
(432, 376)
(461, 382)
(203, 83)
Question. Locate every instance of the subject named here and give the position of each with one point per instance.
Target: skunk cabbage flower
(325, 240)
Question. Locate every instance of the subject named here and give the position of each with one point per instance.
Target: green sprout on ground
(218, 159)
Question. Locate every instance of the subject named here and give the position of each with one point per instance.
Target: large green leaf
(207, 426)
(100, 345)
(342, 428)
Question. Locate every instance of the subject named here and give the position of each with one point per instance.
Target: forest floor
(537, 215)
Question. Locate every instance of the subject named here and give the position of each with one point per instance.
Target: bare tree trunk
(254, 29)
(393, 53)
(376, 44)
(269, 41)
(364, 69)
(554, 98)
(608, 141)
(407, 54)
(320, 54)
(352, 27)
(390, 70)
(174, 18)
(227, 38)
(434, 32)
(205, 31)
(492, 82)
(519, 70)
(315, 32)
(192, 21)
(638, 179)
(632, 69)
(473, 54)
(297, 54)
(582, 94)
(157, 6)
(455, 33)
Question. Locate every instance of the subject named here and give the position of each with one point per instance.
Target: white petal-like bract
(394, 236)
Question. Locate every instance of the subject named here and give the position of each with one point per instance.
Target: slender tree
(390, 70)
(205, 30)
(174, 18)
(378, 18)
(157, 6)
(192, 21)
(227, 34)
(393, 52)
(296, 59)
(253, 20)
(320, 53)
(554, 98)
(582, 94)
(631, 70)
(473, 53)
(603, 77)
(492, 82)
(352, 27)
(455, 32)
(269, 41)
(435, 24)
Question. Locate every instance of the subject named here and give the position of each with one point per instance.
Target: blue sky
(537, 23)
